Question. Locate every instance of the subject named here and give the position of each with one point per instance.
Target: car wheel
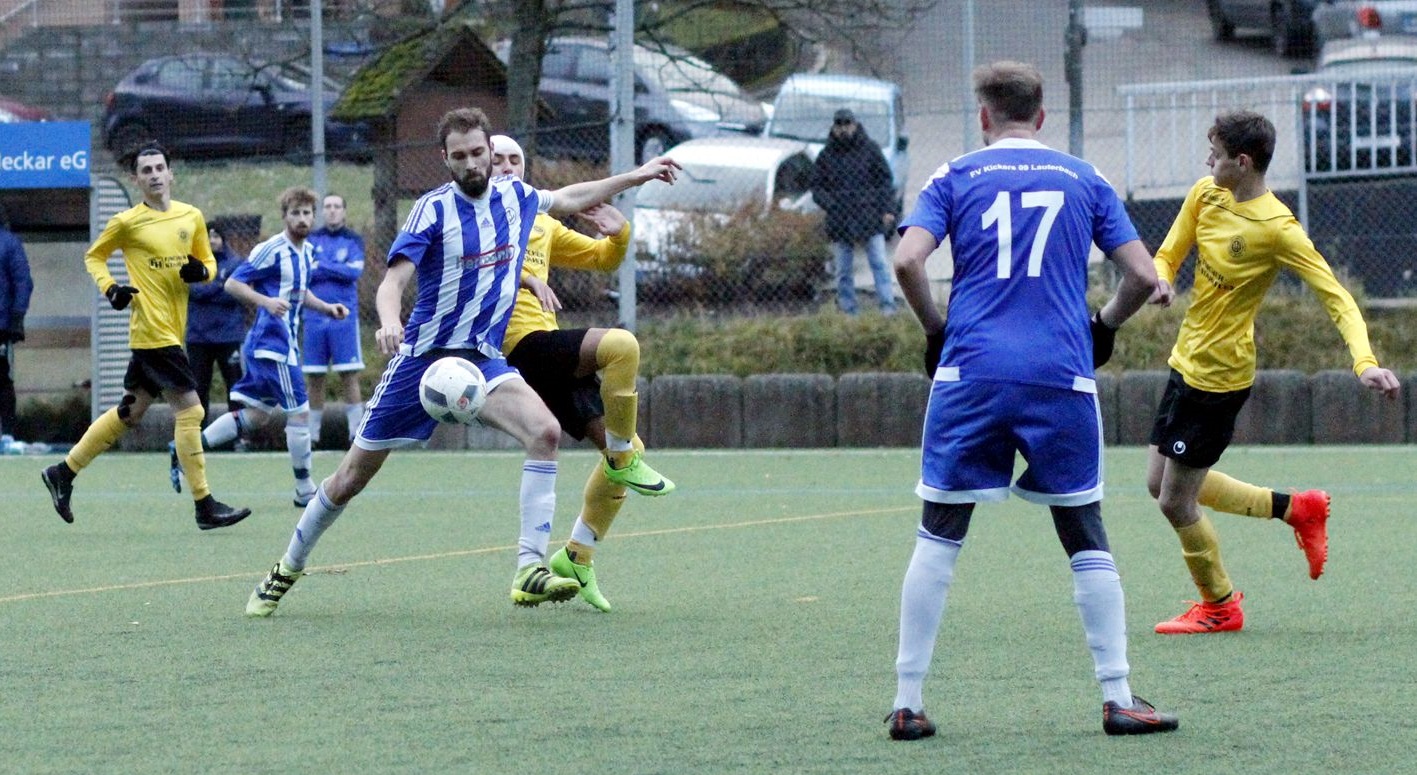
(1220, 27)
(128, 135)
(653, 143)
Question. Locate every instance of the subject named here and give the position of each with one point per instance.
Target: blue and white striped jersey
(1021, 219)
(279, 269)
(467, 255)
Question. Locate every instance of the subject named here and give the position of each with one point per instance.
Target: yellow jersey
(155, 245)
(1240, 249)
(552, 243)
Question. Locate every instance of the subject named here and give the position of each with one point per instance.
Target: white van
(806, 103)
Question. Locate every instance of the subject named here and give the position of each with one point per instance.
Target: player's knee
(946, 520)
(618, 346)
(128, 411)
(191, 417)
(546, 435)
(1080, 528)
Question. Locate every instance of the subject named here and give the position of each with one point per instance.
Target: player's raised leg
(617, 356)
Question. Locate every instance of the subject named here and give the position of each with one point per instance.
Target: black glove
(934, 346)
(194, 271)
(17, 330)
(1104, 338)
(120, 295)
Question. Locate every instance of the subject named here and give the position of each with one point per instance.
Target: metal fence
(741, 235)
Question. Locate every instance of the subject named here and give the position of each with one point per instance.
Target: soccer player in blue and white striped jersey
(464, 242)
(1012, 373)
(276, 281)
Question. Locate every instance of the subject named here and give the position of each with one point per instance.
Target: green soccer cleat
(267, 595)
(534, 585)
(562, 565)
(638, 476)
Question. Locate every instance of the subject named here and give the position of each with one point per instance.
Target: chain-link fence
(225, 84)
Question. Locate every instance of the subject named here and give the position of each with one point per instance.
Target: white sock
(538, 506)
(922, 605)
(297, 441)
(614, 443)
(582, 534)
(314, 521)
(316, 417)
(353, 415)
(222, 430)
(1097, 590)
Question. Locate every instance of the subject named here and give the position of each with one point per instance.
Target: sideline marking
(344, 567)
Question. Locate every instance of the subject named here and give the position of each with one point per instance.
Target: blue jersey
(339, 260)
(1021, 219)
(467, 255)
(277, 268)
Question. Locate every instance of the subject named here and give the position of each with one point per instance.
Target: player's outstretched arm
(579, 196)
(336, 311)
(253, 298)
(1381, 380)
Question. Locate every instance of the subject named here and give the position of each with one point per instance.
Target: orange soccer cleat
(1207, 617)
(1308, 515)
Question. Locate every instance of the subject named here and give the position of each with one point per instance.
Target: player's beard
(474, 181)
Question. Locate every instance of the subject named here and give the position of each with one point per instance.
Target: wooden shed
(403, 93)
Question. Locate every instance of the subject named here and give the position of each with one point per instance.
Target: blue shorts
(331, 345)
(394, 417)
(973, 430)
(270, 385)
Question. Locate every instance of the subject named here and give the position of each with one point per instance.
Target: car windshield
(808, 117)
(685, 73)
(706, 188)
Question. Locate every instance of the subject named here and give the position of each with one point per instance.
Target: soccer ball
(452, 390)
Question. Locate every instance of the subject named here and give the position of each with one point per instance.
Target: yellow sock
(1232, 496)
(618, 356)
(1200, 546)
(188, 435)
(96, 440)
(603, 500)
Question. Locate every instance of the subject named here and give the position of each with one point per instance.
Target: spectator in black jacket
(15, 289)
(851, 182)
(216, 324)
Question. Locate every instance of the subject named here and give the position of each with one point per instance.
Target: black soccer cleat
(906, 724)
(60, 482)
(212, 514)
(1140, 719)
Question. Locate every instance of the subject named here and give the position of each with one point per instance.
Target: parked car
(13, 111)
(805, 105)
(1289, 24)
(1360, 117)
(220, 105)
(724, 180)
(1335, 19)
(678, 96)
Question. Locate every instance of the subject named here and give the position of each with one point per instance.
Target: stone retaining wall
(888, 409)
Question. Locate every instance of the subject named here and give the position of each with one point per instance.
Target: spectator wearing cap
(851, 182)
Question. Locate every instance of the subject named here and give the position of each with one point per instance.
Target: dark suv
(1289, 24)
(678, 96)
(220, 105)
